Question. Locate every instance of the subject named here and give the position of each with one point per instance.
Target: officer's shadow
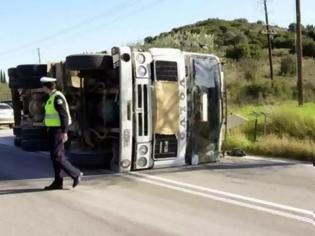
(26, 190)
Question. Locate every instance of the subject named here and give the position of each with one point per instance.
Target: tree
(292, 27)
(2, 77)
(148, 39)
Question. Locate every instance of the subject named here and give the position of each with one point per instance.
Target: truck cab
(135, 109)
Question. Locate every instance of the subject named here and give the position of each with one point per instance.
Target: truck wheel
(89, 62)
(34, 133)
(33, 145)
(17, 142)
(12, 72)
(37, 70)
(29, 82)
(17, 131)
(13, 83)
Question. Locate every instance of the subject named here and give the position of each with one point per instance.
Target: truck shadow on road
(218, 166)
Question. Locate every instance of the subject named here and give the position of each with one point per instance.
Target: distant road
(234, 197)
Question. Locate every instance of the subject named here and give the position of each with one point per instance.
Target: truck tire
(33, 145)
(13, 81)
(29, 82)
(89, 159)
(89, 62)
(17, 131)
(12, 72)
(34, 133)
(37, 70)
(17, 142)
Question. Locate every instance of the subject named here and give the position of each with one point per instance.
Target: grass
(4, 92)
(273, 145)
(290, 131)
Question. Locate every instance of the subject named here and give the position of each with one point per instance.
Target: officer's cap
(47, 79)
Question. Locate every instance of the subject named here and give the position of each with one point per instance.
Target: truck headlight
(142, 162)
(143, 150)
(140, 58)
(142, 71)
(125, 163)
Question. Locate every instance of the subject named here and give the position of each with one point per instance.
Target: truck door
(122, 62)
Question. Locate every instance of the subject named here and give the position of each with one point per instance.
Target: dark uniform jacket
(60, 106)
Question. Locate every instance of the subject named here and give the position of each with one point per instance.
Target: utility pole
(38, 53)
(299, 53)
(269, 40)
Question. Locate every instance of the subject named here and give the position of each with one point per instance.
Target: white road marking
(237, 196)
(183, 187)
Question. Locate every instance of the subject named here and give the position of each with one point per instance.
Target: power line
(118, 18)
(121, 17)
(89, 20)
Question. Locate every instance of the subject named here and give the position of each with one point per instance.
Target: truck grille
(165, 146)
(142, 107)
(166, 71)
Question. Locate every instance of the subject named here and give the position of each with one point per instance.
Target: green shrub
(255, 51)
(250, 69)
(256, 90)
(284, 42)
(309, 91)
(234, 38)
(308, 48)
(238, 51)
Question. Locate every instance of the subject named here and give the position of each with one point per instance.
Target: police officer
(57, 119)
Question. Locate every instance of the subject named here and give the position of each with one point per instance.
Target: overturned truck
(134, 110)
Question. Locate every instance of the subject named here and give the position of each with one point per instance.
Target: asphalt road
(233, 197)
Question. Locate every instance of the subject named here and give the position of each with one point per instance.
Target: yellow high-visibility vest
(52, 118)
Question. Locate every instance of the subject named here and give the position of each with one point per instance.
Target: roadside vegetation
(4, 88)
(4, 92)
(290, 130)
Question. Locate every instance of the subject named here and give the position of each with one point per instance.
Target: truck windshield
(206, 73)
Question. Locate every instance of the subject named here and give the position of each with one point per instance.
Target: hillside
(243, 47)
(232, 39)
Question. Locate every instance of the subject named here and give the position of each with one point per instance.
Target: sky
(64, 27)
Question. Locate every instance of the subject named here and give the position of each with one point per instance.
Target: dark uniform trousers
(57, 154)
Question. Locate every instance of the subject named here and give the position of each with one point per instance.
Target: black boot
(77, 180)
(54, 186)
